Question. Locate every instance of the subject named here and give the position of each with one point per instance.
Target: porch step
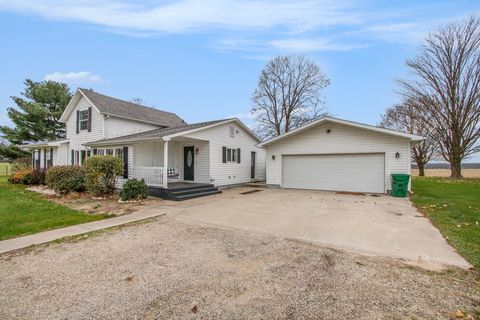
(186, 192)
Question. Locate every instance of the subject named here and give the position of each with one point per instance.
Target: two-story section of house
(90, 116)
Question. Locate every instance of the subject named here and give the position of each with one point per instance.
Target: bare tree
(288, 95)
(447, 88)
(137, 100)
(406, 117)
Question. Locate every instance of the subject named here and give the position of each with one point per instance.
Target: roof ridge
(137, 104)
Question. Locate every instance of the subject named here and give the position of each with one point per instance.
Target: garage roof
(411, 137)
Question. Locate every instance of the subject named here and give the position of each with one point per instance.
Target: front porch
(172, 164)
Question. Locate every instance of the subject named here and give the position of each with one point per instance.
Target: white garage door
(336, 172)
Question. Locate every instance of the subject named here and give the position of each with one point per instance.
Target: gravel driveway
(168, 269)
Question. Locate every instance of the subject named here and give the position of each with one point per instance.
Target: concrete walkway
(51, 235)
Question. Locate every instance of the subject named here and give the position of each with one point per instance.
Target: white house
(155, 145)
(338, 155)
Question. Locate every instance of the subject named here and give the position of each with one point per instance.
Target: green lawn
(24, 212)
(454, 207)
(5, 169)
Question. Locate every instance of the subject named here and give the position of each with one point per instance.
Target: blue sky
(201, 59)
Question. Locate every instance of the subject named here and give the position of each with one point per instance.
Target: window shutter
(89, 123)
(78, 121)
(238, 155)
(33, 159)
(73, 157)
(94, 152)
(224, 154)
(38, 159)
(125, 162)
(44, 158)
(51, 157)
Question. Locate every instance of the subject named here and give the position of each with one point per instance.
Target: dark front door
(252, 170)
(188, 163)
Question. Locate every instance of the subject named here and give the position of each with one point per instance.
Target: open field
(24, 212)
(5, 169)
(467, 173)
(453, 207)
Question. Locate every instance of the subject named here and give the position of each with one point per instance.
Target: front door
(252, 170)
(188, 163)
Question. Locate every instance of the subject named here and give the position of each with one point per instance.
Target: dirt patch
(351, 193)
(467, 173)
(92, 205)
(166, 269)
(86, 203)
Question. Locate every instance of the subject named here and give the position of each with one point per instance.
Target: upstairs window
(231, 130)
(83, 119)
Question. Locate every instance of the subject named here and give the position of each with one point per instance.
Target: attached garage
(338, 155)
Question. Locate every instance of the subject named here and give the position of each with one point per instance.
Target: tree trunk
(456, 168)
(421, 169)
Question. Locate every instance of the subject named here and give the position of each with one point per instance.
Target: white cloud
(74, 77)
(315, 44)
(193, 15)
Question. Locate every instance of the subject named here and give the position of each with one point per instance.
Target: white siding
(77, 139)
(60, 155)
(341, 139)
(231, 173)
(115, 127)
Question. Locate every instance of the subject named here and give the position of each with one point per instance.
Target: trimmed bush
(66, 179)
(28, 177)
(21, 176)
(134, 189)
(102, 172)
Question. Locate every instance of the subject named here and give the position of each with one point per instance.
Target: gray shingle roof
(130, 110)
(153, 134)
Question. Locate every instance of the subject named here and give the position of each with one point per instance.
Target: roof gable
(411, 137)
(123, 109)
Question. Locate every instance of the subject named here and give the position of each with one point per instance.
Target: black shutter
(238, 155)
(51, 157)
(44, 158)
(33, 159)
(37, 166)
(73, 157)
(94, 152)
(125, 162)
(78, 121)
(224, 154)
(89, 123)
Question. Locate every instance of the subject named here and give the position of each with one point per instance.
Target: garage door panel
(342, 172)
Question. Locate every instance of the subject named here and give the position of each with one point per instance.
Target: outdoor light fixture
(197, 151)
(273, 157)
(397, 155)
(328, 130)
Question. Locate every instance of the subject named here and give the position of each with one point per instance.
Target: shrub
(21, 176)
(38, 176)
(21, 164)
(66, 179)
(134, 189)
(102, 172)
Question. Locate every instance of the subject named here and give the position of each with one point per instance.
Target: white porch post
(165, 163)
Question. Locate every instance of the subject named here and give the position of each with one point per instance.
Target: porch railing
(153, 176)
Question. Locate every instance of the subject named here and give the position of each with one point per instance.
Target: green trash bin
(400, 184)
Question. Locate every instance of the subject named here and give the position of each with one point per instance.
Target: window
(229, 155)
(119, 153)
(83, 120)
(100, 152)
(232, 131)
(109, 152)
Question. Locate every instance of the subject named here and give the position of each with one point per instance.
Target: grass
(454, 208)
(24, 212)
(5, 169)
